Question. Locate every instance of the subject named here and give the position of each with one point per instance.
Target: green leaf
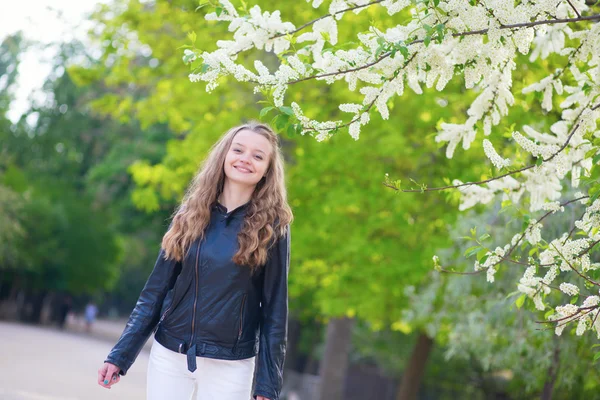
(219, 10)
(511, 294)
(485, 236)
(597, 356)
(291, 130)
(427, 40)
(201, 6)
(481, 253)
(472, 250)
(590, 153)
(526, 219)
(520, 300)
(281, 121)
(196, 64)
(188, 57)
(286, 110)
(265, 111)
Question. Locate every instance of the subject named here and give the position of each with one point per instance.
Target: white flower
(569, 289)
(591, 301)
(491, 271)
(490, 152)
(581, 326)
(553, 206)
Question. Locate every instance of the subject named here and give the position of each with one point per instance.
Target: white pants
(170, 379)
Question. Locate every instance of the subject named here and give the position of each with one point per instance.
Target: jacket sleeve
(145, 315)
(274, 319)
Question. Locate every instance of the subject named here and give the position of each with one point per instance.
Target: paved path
(43, 363)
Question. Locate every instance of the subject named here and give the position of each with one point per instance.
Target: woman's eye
(259, 157)
(236, 150)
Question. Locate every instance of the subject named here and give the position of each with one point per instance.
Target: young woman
(217, 296)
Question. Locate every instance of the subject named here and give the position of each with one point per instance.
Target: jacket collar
(228, 216)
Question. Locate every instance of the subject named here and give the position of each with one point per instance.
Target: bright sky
(40, 23)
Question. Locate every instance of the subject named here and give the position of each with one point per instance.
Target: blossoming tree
(482, 42)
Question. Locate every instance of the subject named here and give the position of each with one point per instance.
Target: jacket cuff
(119, 363)
(266, 392)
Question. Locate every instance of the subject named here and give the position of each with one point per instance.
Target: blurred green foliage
(86, 188)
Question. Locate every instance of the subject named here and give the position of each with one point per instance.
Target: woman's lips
(242, 169)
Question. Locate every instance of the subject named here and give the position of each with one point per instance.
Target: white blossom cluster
(483, 194)
(491, 262)
(586, 315)
(590, 223)
(534, 287)
(481, 43)
(533, 233)
(494, 157)
(569, 289)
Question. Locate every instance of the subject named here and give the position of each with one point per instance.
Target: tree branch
(574, 9)
(575, 314)
(466, 33)
(573, 130)
(513, 247)
(323, 17)
(574, 269)
(371, 104)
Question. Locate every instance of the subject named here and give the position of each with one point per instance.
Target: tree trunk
(37, 302)
(335, 358)
(552, 372)
(414, 371)
(311, 364)
(291, 356)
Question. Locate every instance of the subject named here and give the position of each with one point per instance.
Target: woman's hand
(108, 375)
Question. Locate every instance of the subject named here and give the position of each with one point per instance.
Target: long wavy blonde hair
(267, 214)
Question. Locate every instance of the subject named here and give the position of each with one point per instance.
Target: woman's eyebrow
(239, 144)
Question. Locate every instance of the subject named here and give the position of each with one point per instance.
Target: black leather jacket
(206, 305)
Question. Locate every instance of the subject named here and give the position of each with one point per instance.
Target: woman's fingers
(108, 375)
(102, 374)
(115, 378)
(112, 375)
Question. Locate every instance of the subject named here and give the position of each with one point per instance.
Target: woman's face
(248, 158)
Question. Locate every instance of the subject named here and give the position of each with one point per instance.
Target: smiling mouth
(242, 169)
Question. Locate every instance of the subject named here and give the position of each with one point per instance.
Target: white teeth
(242, 169)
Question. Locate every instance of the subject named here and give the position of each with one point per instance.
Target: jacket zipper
(168, 308)
(195, 299)
(241, 323)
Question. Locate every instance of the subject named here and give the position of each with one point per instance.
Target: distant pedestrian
(90, 316)
(218, 289)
